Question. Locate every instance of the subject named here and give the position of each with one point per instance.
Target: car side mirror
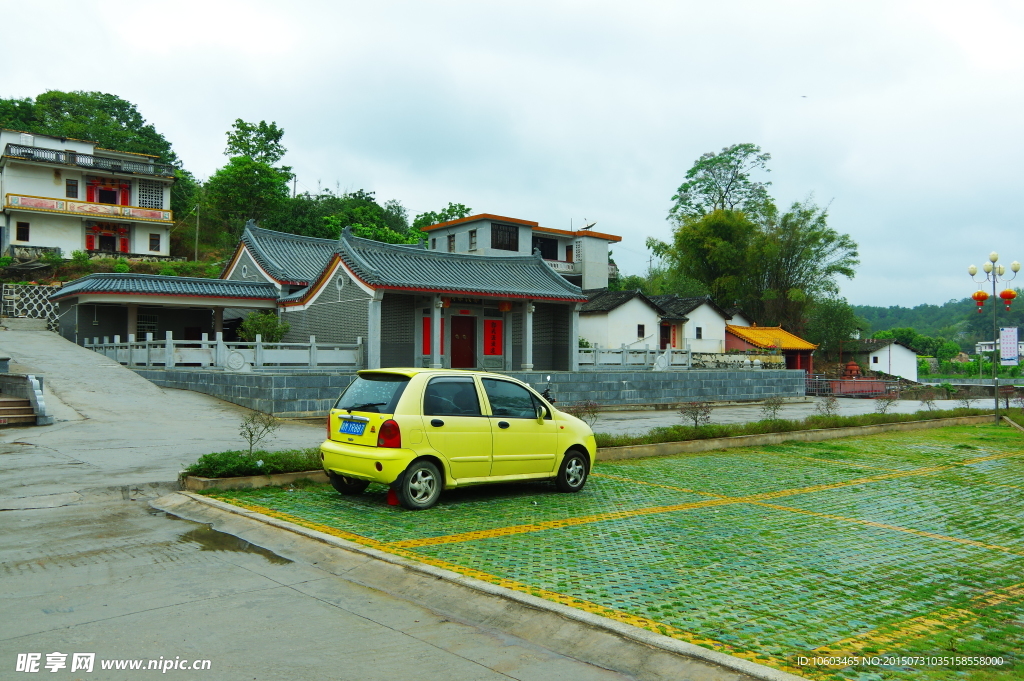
(541, 413)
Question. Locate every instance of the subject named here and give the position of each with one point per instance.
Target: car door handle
(503, 424)
(437, 423)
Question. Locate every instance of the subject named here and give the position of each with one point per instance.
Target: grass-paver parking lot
(908, 544)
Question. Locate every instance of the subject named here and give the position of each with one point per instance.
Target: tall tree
(831, 322)
(259, 141)
(723, 181)
(713, 250)
(250, 187)
(793, 260)
(453, 211)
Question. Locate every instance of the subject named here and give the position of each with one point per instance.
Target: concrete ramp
(113, 426)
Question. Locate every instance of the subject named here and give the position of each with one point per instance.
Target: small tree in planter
(257, 427)
(585, 411)
(698, 412)
(884, 403)
(827, 406)
(771, 407)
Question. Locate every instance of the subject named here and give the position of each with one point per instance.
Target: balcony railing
(86, 208)
(73, 158)
(564, 267)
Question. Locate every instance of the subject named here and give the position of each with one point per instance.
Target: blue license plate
(352, 427)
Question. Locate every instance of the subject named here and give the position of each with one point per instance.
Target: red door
(463, 342)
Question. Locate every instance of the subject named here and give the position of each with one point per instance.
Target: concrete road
(637, 422)
(87, 567)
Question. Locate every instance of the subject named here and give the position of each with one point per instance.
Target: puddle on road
(210, 539)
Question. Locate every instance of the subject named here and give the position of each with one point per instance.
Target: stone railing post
(219, 352)
(169, 345)
(622, 357)
(259, 350)
(312, 351)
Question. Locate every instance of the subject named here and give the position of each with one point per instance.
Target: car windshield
(373, 392)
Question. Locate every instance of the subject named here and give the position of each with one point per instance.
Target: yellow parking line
(571, 601)
(621, 478)
(924, 625)
(895, 528)
(653, 510)
(840, 462)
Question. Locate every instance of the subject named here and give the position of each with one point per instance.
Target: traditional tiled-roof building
(408, 305)
(798, 352)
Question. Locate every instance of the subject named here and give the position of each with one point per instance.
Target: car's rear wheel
(347, 486)
(420, 486)
(572, 474)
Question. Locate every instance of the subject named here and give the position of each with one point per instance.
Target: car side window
(451, 396)
(510, 400)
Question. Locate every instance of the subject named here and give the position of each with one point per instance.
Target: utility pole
(196, 257)
(295, 185)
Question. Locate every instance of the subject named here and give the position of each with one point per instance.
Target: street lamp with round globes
(994, 273)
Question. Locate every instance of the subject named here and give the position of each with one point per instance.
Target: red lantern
(980, 297)
(1008, 295)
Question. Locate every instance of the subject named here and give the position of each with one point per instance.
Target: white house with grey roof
(69, 194)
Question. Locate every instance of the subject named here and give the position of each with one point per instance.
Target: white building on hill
(70, 194)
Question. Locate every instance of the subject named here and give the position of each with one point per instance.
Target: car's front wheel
(347, 486)
(420, 486)
(572, 474)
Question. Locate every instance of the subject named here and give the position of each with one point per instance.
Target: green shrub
(52, 258)
(238, 463)
(122, 266)
(168, 271)
(6, 261)
(683, 433)
(266, 325)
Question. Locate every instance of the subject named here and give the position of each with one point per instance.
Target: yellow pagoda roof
(770, 337)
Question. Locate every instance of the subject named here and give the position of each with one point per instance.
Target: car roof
(414, 371)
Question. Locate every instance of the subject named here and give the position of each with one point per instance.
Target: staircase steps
(15, 410)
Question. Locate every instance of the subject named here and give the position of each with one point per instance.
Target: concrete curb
(817, 435)
(196, 483)
(1013, 423)
(563, 629)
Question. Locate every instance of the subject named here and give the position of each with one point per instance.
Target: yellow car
(421, 430)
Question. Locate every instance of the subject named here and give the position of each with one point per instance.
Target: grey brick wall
(296, 395)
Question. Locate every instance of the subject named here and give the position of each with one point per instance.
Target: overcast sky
(904, 116)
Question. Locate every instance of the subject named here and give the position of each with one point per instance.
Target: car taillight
(389, 435)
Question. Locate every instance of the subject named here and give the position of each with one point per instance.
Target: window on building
(71, 189)
(568, 253)
(548, 247)
(874, 360)
(640, 331)
(451, 243)
(147, 323)
(433, 244)
(22, 231)
(154, 242)
(151, 194)
(700, 333)
(472, 239)
(505, 237)
(104, 195)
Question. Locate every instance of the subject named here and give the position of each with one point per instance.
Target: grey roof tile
(603, 300)
(161, 285)
(288, 257)
(416, 268)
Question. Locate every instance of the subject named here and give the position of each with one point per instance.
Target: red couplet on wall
(124, 244)
(90, 242)
(426, 335)
(493, 340)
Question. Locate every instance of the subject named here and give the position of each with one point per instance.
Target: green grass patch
(682, 433)
(234, 464)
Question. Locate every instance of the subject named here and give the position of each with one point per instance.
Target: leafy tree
(831, 322)
(106, 119)
(396, 217)
(374, 231)
(713, 250)
(259, 141)
(793, 260)
(246, 189)
(454, 211)
(723, 181)
(266, 324)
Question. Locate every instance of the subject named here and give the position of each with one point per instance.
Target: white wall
(48, 229)
(592, 254)
(614, 328)
(896, 360)
(712, 326)
(140, 239)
